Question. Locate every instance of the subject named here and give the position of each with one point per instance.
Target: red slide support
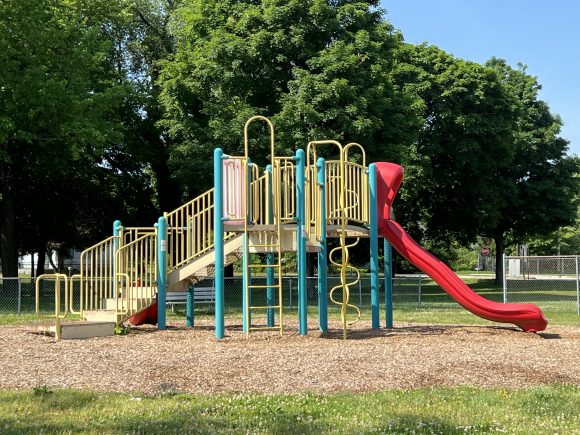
(527, 316)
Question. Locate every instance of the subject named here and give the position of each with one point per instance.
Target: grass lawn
(540, 410)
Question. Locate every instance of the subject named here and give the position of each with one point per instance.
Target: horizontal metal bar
(264, 307)
(264, 286)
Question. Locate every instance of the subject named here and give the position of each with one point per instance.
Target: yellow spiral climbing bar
(344, 285)
(344, 203)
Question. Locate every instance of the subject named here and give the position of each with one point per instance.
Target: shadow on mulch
(549, 336)
(421, 330)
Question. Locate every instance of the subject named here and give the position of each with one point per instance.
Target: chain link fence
(408, 291)
(552, 283)
(17, 295)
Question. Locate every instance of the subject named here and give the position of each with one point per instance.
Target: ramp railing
(136, 275)
(58, 313)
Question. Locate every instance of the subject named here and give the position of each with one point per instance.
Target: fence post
(20, 289)
(290, 286)
(504, 272)
(420, 279)
(577, 285)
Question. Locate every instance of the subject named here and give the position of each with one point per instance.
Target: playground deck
(179, 359)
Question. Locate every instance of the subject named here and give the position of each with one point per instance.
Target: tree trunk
(40, 261)
(167, 189)
(51, 262)
(499, 250)
(8, 247)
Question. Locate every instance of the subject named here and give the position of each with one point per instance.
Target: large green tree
(452, 188)
(543, 177)
(319, 68)
(61, 100)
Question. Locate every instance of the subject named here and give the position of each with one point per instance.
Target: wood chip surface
(191, 360)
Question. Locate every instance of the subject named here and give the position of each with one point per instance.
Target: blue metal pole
(323, 253)
(388, 256)
(245, 301)
(218, 235)
(190, 307)
(374, 247)
(162, 272)
(246, 258)
(270, 258)
(301, 242)
(116, 232)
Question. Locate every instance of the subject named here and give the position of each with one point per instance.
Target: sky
(544, 35)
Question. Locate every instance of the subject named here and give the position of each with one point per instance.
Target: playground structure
(296, 204)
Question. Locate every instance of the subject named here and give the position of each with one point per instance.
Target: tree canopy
(111, 109)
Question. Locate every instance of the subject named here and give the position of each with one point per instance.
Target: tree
(318, 68)
(143, 43)
(544, 181)
(452, 189)
(61, 95)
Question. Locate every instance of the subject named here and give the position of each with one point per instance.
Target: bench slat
(200, 294)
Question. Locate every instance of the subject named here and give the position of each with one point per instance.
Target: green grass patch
(541, 410)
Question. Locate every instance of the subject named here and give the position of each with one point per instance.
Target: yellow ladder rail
(283, 204)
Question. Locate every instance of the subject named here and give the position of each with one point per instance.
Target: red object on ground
(146, 316)
(527, 316)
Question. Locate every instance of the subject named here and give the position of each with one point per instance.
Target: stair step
(100, 316)
(75, 329)
(136, 304)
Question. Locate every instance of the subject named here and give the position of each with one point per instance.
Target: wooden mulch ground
(184, 360)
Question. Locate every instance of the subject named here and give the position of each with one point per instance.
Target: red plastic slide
(527, 316)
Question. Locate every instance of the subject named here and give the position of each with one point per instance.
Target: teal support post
(323, 253)
(161, 272)
(245, 302)
(301, 242)
(270, 258)
(246, 259)
(218, 235)
(388, 256)
(374, 247)
(116, 243)
(190, 307)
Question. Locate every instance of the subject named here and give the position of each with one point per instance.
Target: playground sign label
(485, 251)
